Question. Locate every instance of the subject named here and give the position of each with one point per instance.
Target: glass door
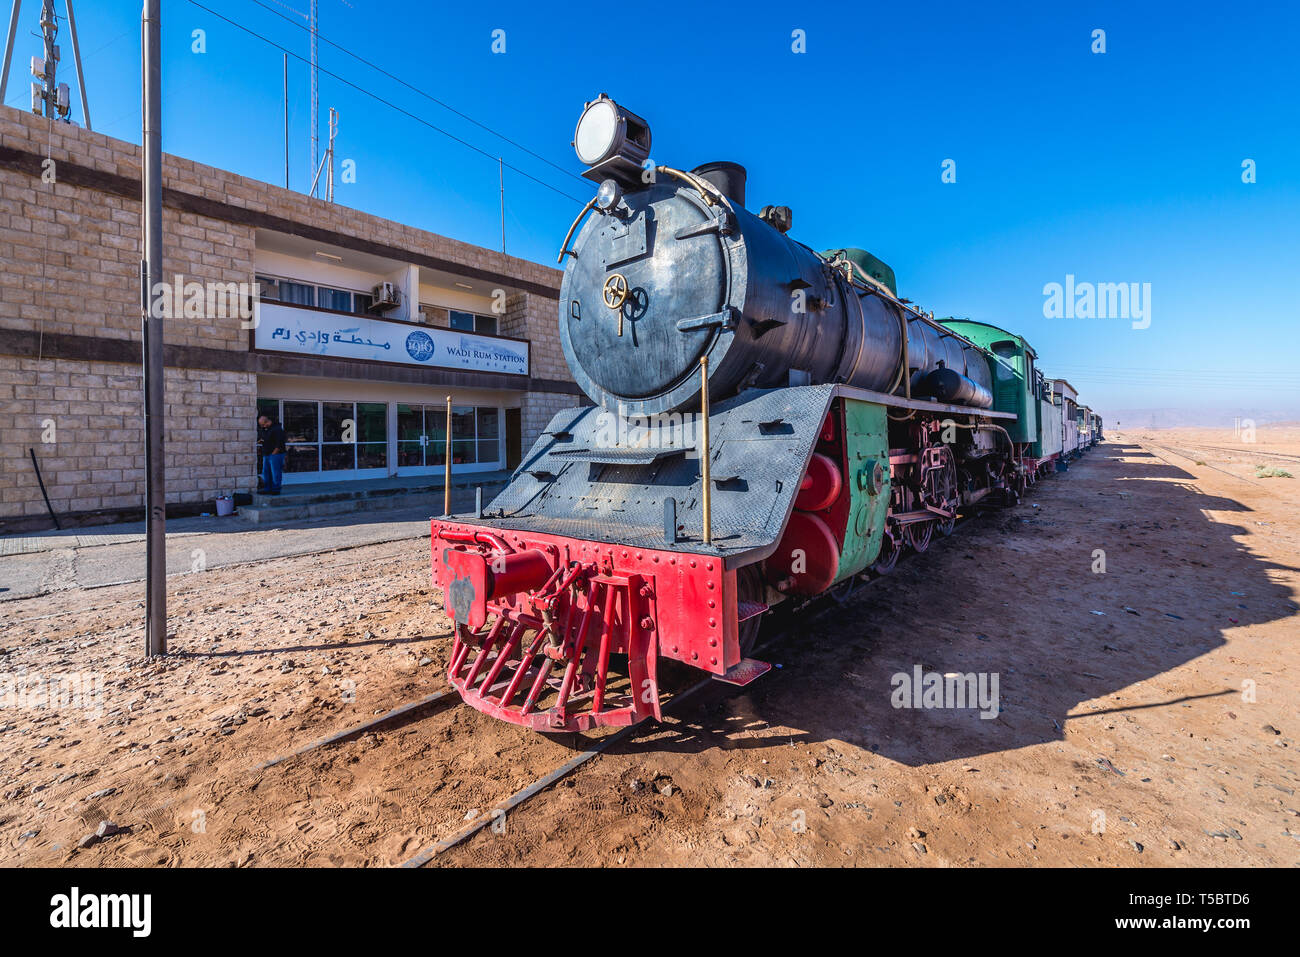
(422, 438)
(301, 422)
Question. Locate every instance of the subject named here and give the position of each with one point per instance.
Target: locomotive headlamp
(608, 195)
(612, 141)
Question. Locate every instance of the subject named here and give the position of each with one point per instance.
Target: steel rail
(1224, 448)
(819, 605)
(355, 730)
(1195, 461)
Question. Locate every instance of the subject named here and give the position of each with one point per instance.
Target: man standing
(270, 442)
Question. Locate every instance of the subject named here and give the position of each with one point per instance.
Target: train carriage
(1067, 398)
(1019, 387)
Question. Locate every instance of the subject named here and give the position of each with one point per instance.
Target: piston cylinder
(520, 571)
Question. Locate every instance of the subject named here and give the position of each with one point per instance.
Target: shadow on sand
(1014, 593)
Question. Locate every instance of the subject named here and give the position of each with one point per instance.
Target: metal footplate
(744, 672)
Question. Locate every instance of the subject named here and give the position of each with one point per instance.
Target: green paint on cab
(866, 441)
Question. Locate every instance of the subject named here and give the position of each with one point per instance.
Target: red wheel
(749, 588)
(918, 535)
(890, 549)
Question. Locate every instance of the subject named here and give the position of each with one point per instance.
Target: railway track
(782, 626)
(1284, 456)
(785, 624)
(1174, 450)
(449, 699)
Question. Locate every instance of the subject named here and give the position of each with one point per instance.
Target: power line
(1273, 379)
(1165, 374)
(389, 103)
(1137, 370)
(433, 99)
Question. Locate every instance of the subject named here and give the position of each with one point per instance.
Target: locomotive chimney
(729, 178)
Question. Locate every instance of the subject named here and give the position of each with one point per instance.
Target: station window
(489, 435)
(330, 436)
(310, 294)
(469, 322)
(297, 293)
(268, 289)
(339, 299)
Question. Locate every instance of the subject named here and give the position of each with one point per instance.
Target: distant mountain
(1219, 417)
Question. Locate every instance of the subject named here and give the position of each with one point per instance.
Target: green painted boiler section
(872, 266)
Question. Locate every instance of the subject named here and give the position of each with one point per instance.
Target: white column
(392, 439)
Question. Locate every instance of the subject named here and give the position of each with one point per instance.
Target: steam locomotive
(769, 423)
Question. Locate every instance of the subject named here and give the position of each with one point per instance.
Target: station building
(362, 328)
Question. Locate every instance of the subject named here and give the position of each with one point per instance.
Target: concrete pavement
(42, 562)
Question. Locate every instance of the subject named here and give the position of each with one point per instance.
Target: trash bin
(225, 505)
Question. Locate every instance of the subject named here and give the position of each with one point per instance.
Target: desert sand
(1146, 716)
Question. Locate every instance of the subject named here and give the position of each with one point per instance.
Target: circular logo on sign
(420, 346)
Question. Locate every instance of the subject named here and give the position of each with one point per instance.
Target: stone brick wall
(536, 410)
(76, 261)
(537, 319)
(83, 419)
(70, 267)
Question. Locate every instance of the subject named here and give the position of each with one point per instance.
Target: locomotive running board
(920, 405)
(744, 671)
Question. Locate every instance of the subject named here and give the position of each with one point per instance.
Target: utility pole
(286, 121)
(49, 91)
(155, 497)
(328, 158)
(315, 103)
(501, 178)
(329, 170)
(49, 98)
(9, 46)
(76, 59)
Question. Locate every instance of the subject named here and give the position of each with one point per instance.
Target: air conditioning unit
(386, 295)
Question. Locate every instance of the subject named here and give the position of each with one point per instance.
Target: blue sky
(1115, 167)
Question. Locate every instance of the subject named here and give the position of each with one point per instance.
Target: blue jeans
(272, 472)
